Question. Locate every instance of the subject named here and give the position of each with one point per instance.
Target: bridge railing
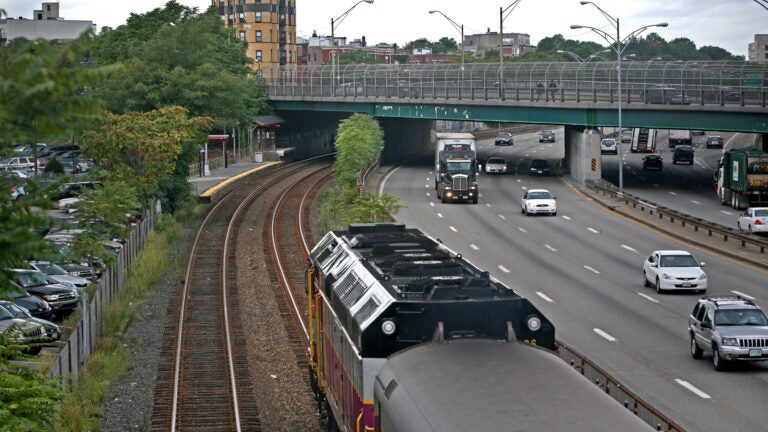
(737, 84)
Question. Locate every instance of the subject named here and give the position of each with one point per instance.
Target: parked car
(61, 298)
(52, 331)
(36, 306)
(626, 136)
(504, 138)
(14, 181)
(57, 273)
(540, 167)
(670, 270)
(666, 95)
(608, 146)
(17, 163)
(72, 190)
(682, 154)
(731, 328)
(20, 331)
(653, 162)
(714, 141)
(538, 201)
(496, 165)
(546, 136)
(753, 220)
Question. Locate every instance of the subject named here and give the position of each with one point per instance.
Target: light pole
(616, 45)
(507, 10)
(333, 41)
(583, 60)
(460, 28)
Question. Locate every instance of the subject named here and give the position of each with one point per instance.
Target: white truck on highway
(679, 137)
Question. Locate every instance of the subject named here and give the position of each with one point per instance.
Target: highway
(583, 269)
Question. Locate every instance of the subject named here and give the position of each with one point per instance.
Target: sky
(729, 24)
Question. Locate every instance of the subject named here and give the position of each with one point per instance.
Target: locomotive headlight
(388, 327)
(534, 323)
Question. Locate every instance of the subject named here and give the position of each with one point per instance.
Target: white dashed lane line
(473, 246)
(566, 218)
(604, 335)
(503, 217)
(693, 389)
(544, 296)
(647, 297)
(522, 230)
(504, 269)
(629, 248)
(746, 296)
(593, 230)
(453, 229)
(591, 269)
(550, 248)
(440, 215)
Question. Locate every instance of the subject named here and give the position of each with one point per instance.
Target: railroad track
(203, 381)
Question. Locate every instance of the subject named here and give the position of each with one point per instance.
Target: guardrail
(673, 216)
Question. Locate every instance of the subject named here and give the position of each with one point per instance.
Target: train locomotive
(407, 335)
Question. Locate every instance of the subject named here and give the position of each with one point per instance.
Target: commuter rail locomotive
(406, 335)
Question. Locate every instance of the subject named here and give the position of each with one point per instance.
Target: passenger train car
(407, 335)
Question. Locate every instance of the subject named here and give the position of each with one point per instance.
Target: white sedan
(674, 270)
(496, 165)
(753, 220)
(538, 201)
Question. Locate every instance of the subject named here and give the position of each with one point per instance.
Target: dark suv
(61, 298)
(683, 154)
(731, 328)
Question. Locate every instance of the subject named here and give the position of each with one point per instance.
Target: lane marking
(672, 193)
(593, 230)
(693, 389)
(473, 246)
(503, 217)
(522, 230)
(647, 297)
(726, 212)
(566, 217)
(746, 296)
(439, 215)
(591, 269)
(488, 205)
(695, 202)
(605, 335)
(629, 248)
(432, 204)
(544, 296)
(453, 229)
(504, 269)
(550, 248)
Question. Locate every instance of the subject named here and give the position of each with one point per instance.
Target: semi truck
(679, 137)
(643, 141)
(456, 167)
(741, 178)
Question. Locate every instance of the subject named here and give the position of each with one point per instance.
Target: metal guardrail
(684, 220)
(693, 84)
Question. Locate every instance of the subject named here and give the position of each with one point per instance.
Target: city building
(515, 44)
(319, 49)
(269, 28)
(758, 50)
(45, 24)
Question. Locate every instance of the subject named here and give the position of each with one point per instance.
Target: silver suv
(732, 328)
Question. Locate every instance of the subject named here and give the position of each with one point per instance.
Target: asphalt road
(583, 269)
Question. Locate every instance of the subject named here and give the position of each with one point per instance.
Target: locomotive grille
(460, 183)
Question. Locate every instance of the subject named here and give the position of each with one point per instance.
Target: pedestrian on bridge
(539, 90)
(552, 89)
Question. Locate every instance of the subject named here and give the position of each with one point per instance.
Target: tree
(358, 142)
(141, 149)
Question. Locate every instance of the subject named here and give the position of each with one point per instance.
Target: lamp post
(583, 60)
(333, 41)
(616, 45)
(460, 28)
(507, 10)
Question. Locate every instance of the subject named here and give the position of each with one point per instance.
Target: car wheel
(554, 214)
(717, 361)
(658, 286)
(696, 352)
(645, 280)
(474, 200)
(522, 210)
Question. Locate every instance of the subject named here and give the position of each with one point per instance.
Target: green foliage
(28, 400)
(359, 140)
(54, 166)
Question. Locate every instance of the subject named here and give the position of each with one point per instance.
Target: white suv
(669, 270)
(731, 328)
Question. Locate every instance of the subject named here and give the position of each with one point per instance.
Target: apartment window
(290, 57)
(258, 55)
(258, 35)
(258, 16)
(288, 38)
(242, 17)
(242, 35)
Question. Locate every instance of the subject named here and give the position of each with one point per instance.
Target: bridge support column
(582, 153)
(405, 137)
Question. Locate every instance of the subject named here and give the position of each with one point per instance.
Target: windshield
(678, 261)
(458, 167)
(739, 317)
(14, 310)
(31, 279)
(539, 195)
(538, 163)
(51, 269)
(761, 212)
(496, 161)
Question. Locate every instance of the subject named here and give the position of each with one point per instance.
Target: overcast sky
(729, 24)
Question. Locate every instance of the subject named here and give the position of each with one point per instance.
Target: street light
(460, 28)
(615, 44)
(333, 41)
(583, 60)
(508, 10)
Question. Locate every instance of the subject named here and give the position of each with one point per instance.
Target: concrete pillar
(582, 153)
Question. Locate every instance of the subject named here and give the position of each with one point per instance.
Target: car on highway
(504, 139)
(730, 328)
(608, 146)
(626, 136)
(682, 154)
(674, 270)
(546, 136)
(653, 162)
(714, 141)
(52, 331)
(539, 167)
(754, 220)
(659, 94)
(538, 201)
(496, 165)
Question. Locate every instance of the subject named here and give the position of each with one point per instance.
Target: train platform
(217, 180)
